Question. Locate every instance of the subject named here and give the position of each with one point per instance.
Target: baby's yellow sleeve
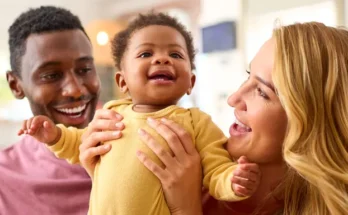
(217, 164)
(67, 146)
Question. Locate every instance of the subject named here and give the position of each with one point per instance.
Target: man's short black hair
(43, 19)
(120, 42)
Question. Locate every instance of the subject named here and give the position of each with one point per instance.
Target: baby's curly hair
(120, 42)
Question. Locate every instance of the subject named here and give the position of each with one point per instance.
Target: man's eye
(85, 70)
(50, 76)
(145, 54)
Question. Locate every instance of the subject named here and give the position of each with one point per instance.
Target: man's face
(58, 77)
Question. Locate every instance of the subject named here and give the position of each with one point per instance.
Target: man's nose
(73, 87)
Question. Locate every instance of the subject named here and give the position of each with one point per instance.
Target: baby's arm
(218, 167)
(63, 141)
(42, 129)
(67, 147)
(246, 178)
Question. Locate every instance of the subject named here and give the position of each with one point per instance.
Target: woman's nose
(236, 100)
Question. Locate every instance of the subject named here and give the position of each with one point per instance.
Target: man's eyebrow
(87, 58)
(49, 63)
(57, 63)
(269, 85)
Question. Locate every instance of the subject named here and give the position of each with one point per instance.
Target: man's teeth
(242, 125)
(73, 110)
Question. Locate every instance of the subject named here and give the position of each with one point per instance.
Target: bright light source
(102, 38)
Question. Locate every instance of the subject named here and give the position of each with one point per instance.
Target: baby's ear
(121, 82)
(193, 81)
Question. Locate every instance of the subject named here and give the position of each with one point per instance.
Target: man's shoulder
(32, 158)
(30, 173)
(24, 146)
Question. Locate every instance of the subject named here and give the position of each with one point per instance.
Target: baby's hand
(41, 128)
(246, 178)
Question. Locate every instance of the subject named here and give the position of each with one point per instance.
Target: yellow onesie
(122, 185)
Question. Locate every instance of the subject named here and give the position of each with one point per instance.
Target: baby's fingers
(20, 132)
(41, 122)
(240, 190)
(24, 128)
(246, 174)
(251, 167)
(248, 184)
(48, 126)
(33, 124)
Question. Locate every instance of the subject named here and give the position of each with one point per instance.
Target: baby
(155, 58)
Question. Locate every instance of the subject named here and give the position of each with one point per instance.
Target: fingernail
(119, 117)
(107, 146)
(141, 131)
(164, 120)
(151, 120)
(119, 125)
(115, 133)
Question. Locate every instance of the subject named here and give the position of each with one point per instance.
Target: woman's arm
(181, 178)
(106, 125)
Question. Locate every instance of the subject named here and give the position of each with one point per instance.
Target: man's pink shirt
(33, 181)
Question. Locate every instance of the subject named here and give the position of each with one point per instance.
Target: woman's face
(260, 125)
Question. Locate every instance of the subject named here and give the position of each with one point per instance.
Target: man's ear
(193, 81)
(121, 83)
(14, 82)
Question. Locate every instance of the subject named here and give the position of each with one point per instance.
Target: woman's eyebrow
(269, 85)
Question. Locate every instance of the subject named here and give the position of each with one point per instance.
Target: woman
(295, 108)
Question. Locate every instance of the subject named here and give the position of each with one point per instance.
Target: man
(52, 66)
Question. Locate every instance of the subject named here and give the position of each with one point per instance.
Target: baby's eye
(145, 54)
(176, 55)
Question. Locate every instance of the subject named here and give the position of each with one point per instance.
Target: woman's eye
(145, 54)
(248, 72)
(261, 93)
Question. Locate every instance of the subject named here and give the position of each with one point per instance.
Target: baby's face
(156, 66)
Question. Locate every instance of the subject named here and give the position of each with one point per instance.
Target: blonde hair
(311, 77)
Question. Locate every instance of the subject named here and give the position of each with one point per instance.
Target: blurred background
(227, 35)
